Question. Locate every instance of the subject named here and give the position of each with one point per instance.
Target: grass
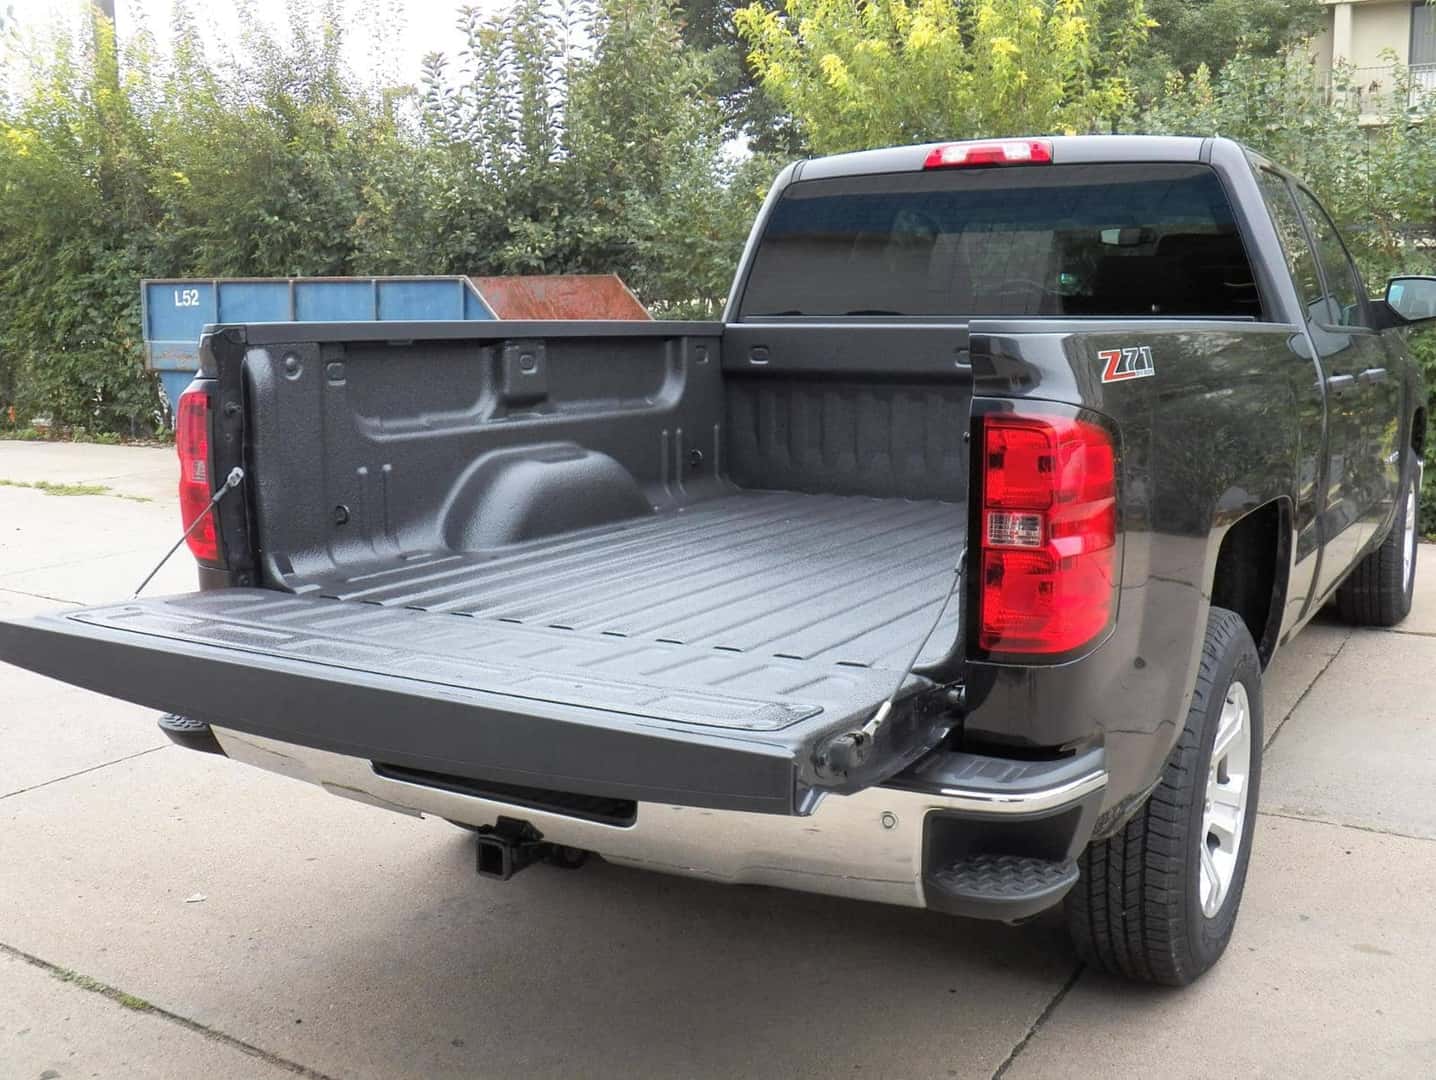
(85, 982)
(49, 487)
(80, 435)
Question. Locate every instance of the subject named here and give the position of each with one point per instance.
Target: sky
(417, 27)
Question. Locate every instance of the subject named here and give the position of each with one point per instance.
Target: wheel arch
(1252, 569)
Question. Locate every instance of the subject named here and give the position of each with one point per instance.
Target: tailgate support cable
(232, 481)
(847, 750)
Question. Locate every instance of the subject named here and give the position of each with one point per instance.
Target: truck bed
(833, 579)
(597, 561)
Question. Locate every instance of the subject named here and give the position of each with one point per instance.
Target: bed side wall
(368, 451)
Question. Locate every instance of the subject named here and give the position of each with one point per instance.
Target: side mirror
(1413, 298)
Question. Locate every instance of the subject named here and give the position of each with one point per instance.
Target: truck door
(1373, 401)
(1327, 536)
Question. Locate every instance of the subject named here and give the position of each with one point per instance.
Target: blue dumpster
(174, 311)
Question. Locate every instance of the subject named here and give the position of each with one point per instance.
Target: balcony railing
(1372, 88)
(1423, 78)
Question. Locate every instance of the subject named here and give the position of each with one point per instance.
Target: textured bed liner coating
(833, 579)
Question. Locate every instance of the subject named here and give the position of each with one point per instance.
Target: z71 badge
(1121, 364)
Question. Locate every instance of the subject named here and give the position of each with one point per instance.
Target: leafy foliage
(750, 113)
(73, 172)
(861, 73)
(1188, 34)
(550, 155)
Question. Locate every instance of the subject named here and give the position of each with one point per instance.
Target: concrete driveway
(170, 914)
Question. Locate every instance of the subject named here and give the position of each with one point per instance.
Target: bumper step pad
(1018, 885)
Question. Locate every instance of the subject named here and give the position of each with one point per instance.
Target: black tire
(1378, 591)
(1137, 908)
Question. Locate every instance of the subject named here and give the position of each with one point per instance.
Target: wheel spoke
(1232, 794)
(1212, 894)
(1224, 822)
(1233, 723)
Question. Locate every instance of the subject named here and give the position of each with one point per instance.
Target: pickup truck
(942, 571)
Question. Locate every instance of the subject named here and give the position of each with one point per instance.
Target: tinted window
(1342, 284)
(1294, 244)
(1133, 239)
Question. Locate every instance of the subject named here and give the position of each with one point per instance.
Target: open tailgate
(558, 709)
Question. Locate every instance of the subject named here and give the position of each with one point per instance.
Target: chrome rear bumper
(867, 846)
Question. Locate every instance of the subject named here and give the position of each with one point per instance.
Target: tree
(1191, 33)
(749, 113)
(550, 156)
(860, 73)
(266, 168)
(1188, 34)
(77, 220)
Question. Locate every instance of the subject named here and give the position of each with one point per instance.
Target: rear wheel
(1378, 592)
(1158, 900)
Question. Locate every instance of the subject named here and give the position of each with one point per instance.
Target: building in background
(1374, 39)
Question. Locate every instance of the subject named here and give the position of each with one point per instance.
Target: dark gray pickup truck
(941, 572)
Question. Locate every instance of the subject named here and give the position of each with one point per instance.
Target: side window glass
(1299, 258)
(1341, 281)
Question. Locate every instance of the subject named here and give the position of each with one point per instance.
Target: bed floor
(829, 578)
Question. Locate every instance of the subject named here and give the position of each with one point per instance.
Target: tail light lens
(1049, 534)
(195, 488)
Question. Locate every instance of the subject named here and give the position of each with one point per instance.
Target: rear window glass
(1130, 239)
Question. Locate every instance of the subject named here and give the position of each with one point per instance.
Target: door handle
(1337, 383)
(1372, 375)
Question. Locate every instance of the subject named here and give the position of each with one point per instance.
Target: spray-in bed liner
(827, 578)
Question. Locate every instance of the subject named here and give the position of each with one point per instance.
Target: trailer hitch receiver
(507, 846)
(510, 845)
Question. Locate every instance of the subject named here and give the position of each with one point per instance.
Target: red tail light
(195, 487)
(1049, 534)
(1005, 152)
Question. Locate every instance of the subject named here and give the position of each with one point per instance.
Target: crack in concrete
(1042, 1018)
(76, 561)
(1309, 687)
(38, 596)
(1288, 816)
(82, 772)
(137, 1004)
